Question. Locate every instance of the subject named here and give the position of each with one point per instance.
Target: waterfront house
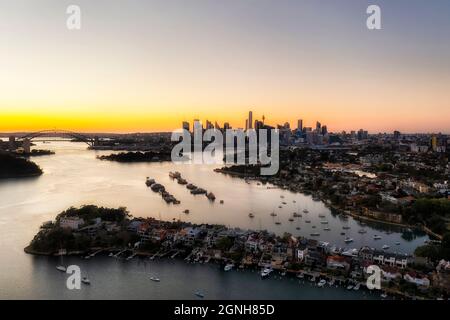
(338, 263)
(417, 279)
(72, 223)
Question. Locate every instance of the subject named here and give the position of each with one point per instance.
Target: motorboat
(348, 240)
(315, 234)
(305, 211)
(277, 222)
(321, 283)
(273, 214)
(155, 279)
(349, 287)
(326, 229)
(297, 228)
(307, 221)
(300, 275)
(228, 267)
(321, 215)
(61, 268)
(362, 231)
(251, 215)
(324, 222)
(385, 247)
(345, 227)
(199, 294)
(291, 219)
(356, 288)
(86, 280)
(377, 237)
(266, 272)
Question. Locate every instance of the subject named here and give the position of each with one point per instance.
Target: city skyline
(165, 63)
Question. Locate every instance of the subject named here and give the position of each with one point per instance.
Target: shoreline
(354, 215)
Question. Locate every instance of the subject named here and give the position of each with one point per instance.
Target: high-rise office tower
(226, 126)
(186, 125)
(300, 125)
(246, 124)
(318, 126)
(250, 120)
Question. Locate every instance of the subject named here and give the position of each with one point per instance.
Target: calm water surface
(73, 177)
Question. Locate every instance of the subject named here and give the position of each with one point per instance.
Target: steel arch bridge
(62, 133)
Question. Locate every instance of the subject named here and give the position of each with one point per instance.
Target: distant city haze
(146, 66)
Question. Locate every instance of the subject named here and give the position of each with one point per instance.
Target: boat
(397, 243)
(362, 231)
(284, 202)
(345, 227)
(342, 233)
(315, 234)
(282, 197)
(331, 283)
(149, 182)
(280, 207)
(251, 215)
(297, 228)
(307, 221)
(356, 288)
(300, 275)
(324, 222)
(273, 214)
(321, 283)
(211, 196)
(385, 247)
(313, 227)
(266, 272)
(155, 279)
(110, 254)
(326, 229)
(321, 215)
(221, 201)
(383, 295)
(291, 219)
(293, 201)
(348, 240)
(349, 287)
(377, 237)
(313, 279)
(86, 280)
(199, 294)
(277, 222)
(186, 211)
(228, 267)
(305, 211)
(61, 268)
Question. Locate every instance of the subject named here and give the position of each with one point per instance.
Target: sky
(145, 66)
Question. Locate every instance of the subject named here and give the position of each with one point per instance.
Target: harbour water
(73, 177)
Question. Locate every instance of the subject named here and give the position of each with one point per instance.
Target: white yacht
(155, 279)
(321, 283)
(228, 267)
(385, 247)
(362, 231)
(348, 240)
(61, 268)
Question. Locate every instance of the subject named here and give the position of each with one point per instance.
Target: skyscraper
(250, 120)
(300, 125)
(186, 125)
(318, 126)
